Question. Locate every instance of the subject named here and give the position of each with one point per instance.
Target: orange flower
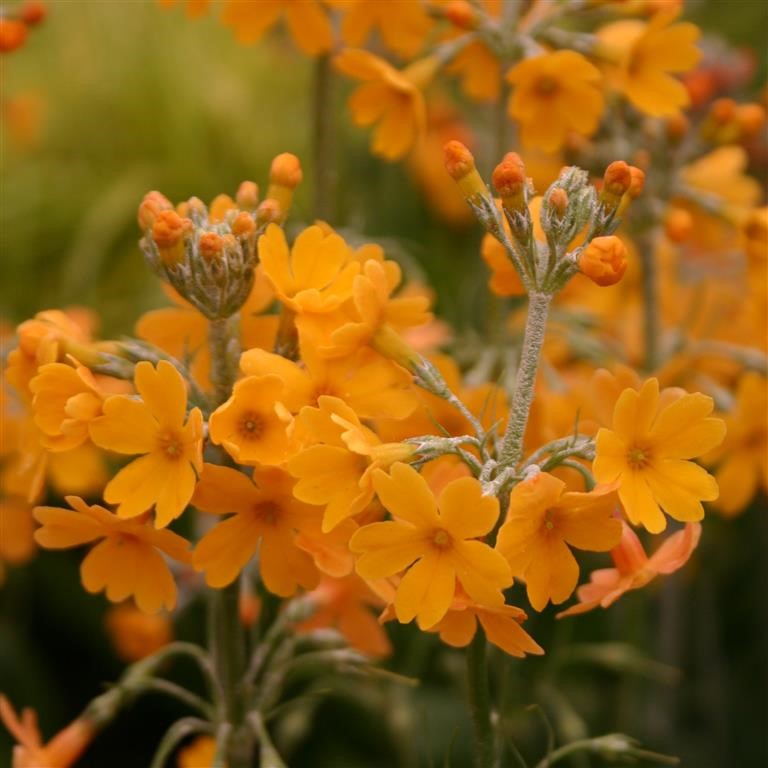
(479, 71)
(338, 472)
(199, 753)
(194, 8)
(345, 605)
(555, 93)
(604, 260)
(742, 458)
(634, 569)
(501, 625)
(66, 400)
(266, 518)
(648, 453)
(543, 519)
(135, 634)
(13, 34)
(60, 752)
(165, 475)
(127, 562)
(252, 424)
(306, 20)
(390, 97)
(646, 54)
(17, 544)
(434, 543)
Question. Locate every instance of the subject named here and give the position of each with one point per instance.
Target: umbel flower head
(648, 453)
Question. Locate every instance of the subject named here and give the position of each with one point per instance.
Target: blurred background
(108, 100)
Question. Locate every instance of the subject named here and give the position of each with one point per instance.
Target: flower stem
(223, 346)
(535, 327)
(479, 701)
(322, 138)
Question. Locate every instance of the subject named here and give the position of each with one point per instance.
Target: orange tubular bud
(219, 207)
(211, 246)
(460, 165)
(558, 200)
(617, 179)
(243, 225)
(637, 184)
(13, 33)
(509, 179)
(168, 233)
(269, 211)
(247, 196)
(461, 14)
(284, 176)
(751, 118)
(678, 225)
(150, 207)
(604, 260)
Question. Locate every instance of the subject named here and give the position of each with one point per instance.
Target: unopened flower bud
(460, 165)
(220, 205)
(168, 234)
(194, 208)
(243, 224)
(509, 179)
(677, 127)
(638, 182)
(461, 14)
(247, 196)
(269, 211)
(616, 179)
(210, 245)
(558, 201)
(13, 34)
(750, 118)
(33, 13)
(604, 260)
(150, 207)
(285, 171)
(678, 225)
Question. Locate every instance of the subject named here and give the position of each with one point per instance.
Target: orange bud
(459, 161)
(220, 204)
(616, 179)
(168, 233)
(677, 127)
(194, 207)
(678, 225)
(461, 14)
(286, 171)
(211, 246)
(723, 111)
(751, 118)
(33, 13)
(604, 260)
(268, 211)
(637, 184)
(509, 179)
(243, 225)
(149, 208)
(13, 33)
(247, 196)
(558, 200)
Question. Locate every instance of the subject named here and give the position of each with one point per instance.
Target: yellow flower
(648, 452)
(66, 400)
(555, 93)
(126, 563)
(252, 425)
(543, 519)
(435, 543)
(390, 97)
(338, 472)
(646, 54)
(306, 20)
(165, 475)
(266, 518)
(742, 458)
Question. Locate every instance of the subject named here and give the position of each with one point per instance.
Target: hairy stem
(224, 347)
(535, 327)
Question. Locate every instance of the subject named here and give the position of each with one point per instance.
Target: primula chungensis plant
(299, 445)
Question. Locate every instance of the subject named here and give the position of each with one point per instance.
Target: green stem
(479, 701)
(535, 327)
(222, 345)
(322, 138)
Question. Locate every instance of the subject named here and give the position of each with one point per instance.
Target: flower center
(638, 457)
(251, 425)
(547, 86)
(441, 538)
(171, 446)
(268, 512)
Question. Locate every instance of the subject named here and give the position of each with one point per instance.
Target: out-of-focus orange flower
(634, 569)
(390, 97)
(17, 544)
(127, 562)
(648, 452)
(542, 520)
(192, 8)
(645, 55)
(13, 34)
(555, 93)
(199, 753)
(62, 751)
(135, 634)
(307, 22)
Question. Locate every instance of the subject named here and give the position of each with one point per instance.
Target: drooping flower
(266, 519)
(555, 93)
(646, 55)
(60, 752)
(434, 542)
(648, 453)
(390, 97)
(306, 20)
(633, 568)
(165, 475)
(542, 521)
(128, 560)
